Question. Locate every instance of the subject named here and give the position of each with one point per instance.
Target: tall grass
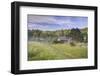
(46, 51)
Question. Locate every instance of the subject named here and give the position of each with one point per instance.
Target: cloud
(44, 22)
(39, 18)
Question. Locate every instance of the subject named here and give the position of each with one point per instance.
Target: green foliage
(57, 41)
(79, 35)
(76, 35)
(72, 44)
(30, 33)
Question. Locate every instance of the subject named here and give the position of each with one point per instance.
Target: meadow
(49, 51)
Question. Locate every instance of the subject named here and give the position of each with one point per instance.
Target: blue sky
(52, 23)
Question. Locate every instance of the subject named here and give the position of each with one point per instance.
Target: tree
(85, 37)
(76, 35)
(30, 33)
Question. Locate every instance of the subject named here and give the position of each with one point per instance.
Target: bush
(58, 41)
(72, 44)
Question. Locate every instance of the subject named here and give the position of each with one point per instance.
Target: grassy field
(45, 51)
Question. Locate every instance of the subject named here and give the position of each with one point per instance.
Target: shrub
(58, 41)
(72, 44)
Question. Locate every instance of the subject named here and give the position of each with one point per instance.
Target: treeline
(76, 34)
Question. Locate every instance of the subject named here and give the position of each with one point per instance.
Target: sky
(52, 23)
